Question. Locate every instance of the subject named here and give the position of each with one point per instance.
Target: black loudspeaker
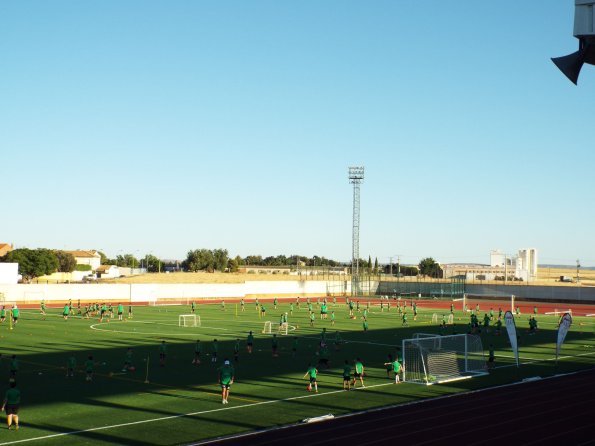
(571, 65)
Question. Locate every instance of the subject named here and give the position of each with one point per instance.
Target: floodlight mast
(356, 177)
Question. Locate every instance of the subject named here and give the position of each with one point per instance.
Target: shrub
(83, 268)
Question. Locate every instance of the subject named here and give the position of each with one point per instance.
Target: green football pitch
(180, 402)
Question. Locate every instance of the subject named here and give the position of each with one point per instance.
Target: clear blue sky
(160, 127)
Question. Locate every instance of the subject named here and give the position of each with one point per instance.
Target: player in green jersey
(70, 366)
(404, 319)
(359, 372)
(389, 365)
(129, 311)
(491, 357)
(162, 353)
(311, 373)
(312, 317)
(65, 312)
(128, 361)
(338, 341)
(11, 403)
(214, 350)
(275, 346)
(226, 377)
(42, 307)
(242, 304)
(397, 369)
(346, 375)
(193, 307)
(275, 303)
(120, 311)
(291, 309)
(236, 350)
(89, 368)
(250, 342)
(332, 318)
(15, 314)
(3, 314)
(257, 305)
(263, 311)
(14, 366)
(102, 313)
(365, 325)
(197, 350)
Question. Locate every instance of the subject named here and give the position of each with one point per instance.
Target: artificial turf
(181, 402)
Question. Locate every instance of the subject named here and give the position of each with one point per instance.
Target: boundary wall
(148, 293)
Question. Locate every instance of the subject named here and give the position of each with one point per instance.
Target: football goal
(430, 359)
(267, 327)
(437, 320)
(283, 328)
(189, 320)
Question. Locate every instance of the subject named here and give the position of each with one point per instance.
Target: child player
(226, 376)
(311, 373)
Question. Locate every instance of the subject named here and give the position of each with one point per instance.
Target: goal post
(267, 327)
(439, 359)
(189, 320)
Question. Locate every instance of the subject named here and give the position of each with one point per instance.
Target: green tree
(104, 259)
(33, 262)
(429, 267)
(66, 261)
(376, 265)
(220, 259)
(152, 263)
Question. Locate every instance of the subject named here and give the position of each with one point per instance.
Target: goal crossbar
(189, 320)
(439, 359)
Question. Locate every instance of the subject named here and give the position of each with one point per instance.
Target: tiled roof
(84, 253)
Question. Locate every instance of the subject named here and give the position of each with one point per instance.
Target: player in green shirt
(397, 368)
(312, 372)
(346, 376)
(291, 309)
(351, 309)
(70, 366)
(256, 303)
(359, 372)
(404, 318)
(338, 341)
(236, 350)
(65, 312)
(120, 311)
(89, 367)
(42, 304)
(193, 307)
(365, 325)
(162, 353)
(128, 361)
(491, 357)
(242, 304)
(498, 326)
(214, 350)
(275, 346)
(15, 314)
(11, 403)
(332, 318)
(275, 303)
(197, 350)
(14, 366)
(226, 377)
(312, 317)
(3, 314)
(102, 312)
(263, 311)
(129, 311)
(250, 342)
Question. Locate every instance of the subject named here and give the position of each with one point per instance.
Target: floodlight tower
(356, 177)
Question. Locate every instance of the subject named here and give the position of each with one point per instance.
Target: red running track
(552, 411)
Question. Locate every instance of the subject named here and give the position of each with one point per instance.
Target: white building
(9, 273)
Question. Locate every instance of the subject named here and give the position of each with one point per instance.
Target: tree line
(39, 262)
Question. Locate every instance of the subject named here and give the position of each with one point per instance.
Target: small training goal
(267, 327)
(437, 320)
(189, 320)
(429, 359)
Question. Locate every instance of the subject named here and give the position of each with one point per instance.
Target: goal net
(437, 319)
(283, 328)
(430, 359)
(267, 327)
(189, 320)
(485, 302)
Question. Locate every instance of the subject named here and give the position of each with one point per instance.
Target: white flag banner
(511, 329)
(563, 328)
